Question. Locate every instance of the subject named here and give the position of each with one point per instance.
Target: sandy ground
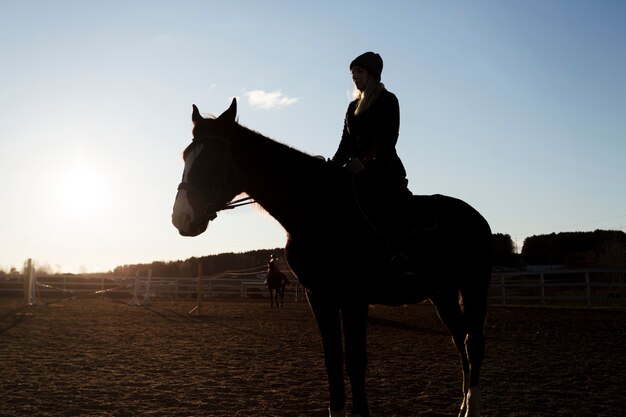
(98, 357)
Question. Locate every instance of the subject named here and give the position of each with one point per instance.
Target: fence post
(135, 300)
(543, 289)
(30, 284)
(146, 297)
(196, 309)
(587, 289)
(27, 282)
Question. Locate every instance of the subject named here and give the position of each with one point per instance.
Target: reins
(362, 211)
(211, 209)
(244, 201)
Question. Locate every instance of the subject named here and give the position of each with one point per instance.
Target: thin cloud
(269, 100)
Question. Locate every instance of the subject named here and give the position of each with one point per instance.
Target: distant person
(272, 262)
(368, 149)
(272, 268)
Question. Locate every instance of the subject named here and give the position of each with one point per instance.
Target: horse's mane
(296, 156)
(312, 181)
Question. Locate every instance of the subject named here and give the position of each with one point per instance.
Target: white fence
(578, 288)
(230, 285)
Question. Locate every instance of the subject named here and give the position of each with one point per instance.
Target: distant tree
(44, 270)
(572, 249)
(612, 254)
(503, 252)
(211, 264)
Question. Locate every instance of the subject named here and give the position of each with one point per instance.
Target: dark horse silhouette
(276, 283)
(333, 251)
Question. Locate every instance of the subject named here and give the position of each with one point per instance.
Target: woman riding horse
(315, 203)
(368, 150)
(276, 283)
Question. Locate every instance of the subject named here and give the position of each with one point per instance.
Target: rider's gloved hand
(354, 166)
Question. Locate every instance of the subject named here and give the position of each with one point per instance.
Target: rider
(271, 265)
(368, 147)
(273, 259)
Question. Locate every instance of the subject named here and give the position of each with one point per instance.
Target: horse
(334, 251)
(276, 283)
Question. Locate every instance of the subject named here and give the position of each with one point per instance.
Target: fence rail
(61, 286)
(579, 288)
(574, 287)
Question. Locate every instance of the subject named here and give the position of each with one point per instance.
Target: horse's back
(453, 229)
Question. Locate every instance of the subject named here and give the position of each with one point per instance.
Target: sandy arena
(96, 357)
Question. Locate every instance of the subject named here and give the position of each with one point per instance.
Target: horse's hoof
(335, 413)
(472, 404)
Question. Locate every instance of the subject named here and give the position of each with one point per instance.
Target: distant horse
(276, 283)
(334, 251)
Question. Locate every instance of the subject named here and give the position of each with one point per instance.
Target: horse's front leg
(326, 312)
(354, 314)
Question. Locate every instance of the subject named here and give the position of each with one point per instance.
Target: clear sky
(517, 107)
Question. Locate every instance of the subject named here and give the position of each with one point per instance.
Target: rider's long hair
(370, 93)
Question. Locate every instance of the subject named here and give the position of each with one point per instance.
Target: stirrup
(399, 262)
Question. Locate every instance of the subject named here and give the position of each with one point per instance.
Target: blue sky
(516, 107)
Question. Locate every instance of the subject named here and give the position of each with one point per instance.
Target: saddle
(397, 215)
(407, 227)
(421, 214)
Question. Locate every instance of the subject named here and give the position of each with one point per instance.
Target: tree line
(211, 264)
(597, 249)
(600, 248)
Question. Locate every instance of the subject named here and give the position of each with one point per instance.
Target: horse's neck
(278, 177)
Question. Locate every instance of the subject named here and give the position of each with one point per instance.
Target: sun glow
(82, 190)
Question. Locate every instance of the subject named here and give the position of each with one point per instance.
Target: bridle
(211, 208)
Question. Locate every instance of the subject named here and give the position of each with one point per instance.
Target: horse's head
(209, 179)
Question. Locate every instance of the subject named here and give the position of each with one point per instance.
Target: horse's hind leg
(354, 315)
(450, 313)
(475, 312)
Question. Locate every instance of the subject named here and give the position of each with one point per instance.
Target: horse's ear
(195, 115)
(231, 113)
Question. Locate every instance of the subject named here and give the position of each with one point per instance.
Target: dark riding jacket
(372, 136)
